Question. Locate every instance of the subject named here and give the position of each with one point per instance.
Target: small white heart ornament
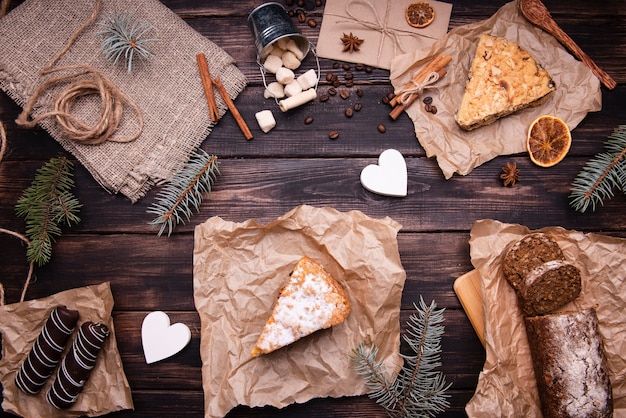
(389, 177)
(160, 339)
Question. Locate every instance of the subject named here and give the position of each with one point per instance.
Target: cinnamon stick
(398, 109)
(207, 84)
(434, 65)
(233, 109)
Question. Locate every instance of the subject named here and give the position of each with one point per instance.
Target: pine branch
(419, 389)
(125, 38)
(184, 192)
(47, 204)
(603, 173)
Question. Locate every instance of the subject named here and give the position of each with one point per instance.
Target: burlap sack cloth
(239, 269)
(168, 90)
(107, 389)
(457, 151)
(506, 385)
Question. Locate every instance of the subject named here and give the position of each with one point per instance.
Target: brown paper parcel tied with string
(458, 151)
(107, 389)
(382, 26)
(239, 268)
(167, 89)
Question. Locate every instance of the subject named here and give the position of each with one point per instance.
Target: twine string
(85, 81)
(404, 95)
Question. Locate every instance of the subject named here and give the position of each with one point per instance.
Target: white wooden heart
(389, 177)
(160, 339)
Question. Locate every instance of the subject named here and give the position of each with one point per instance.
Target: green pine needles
(184, 192)
(602, 174)
(419, 389)
(124, 38)
(46, 205)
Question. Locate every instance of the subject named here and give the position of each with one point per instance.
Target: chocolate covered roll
(570, 365)
(47, 349)
(77, 365)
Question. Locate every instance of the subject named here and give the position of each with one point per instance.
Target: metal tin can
(270, 22)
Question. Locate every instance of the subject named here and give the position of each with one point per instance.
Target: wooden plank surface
(297, 164)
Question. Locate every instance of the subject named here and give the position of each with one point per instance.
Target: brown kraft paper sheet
(382, 26)
(506, 385)
(239, 269)
(107, 389)
(458, 151)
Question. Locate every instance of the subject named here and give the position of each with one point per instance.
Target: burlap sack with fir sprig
(168, 89)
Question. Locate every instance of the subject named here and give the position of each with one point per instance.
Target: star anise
(510, 174)
(351, 43)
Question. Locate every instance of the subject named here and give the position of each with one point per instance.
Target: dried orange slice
(548, 141)
(420, 14)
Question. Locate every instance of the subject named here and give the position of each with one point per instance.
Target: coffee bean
(349, 112)
(359, 92)
(359, 67)
(301, 17)
(335, 65)
(311, 22)
(346, 67)
(344, 93)
(300, 3)
(336, 83)
(381, 128)
(348, 75)
(368, 69)
(427, 107)
(308, 120)
(318, 3)
(357, 107)
(391, 95)
(324, 97)
(428, 100)
(349, 83)
(329, 76)
(332, 91)
(333, 134)
(433, 109)
(291, 13)
(385, 100)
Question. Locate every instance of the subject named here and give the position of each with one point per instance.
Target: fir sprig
(46, 205)
(184, 192)
(124, 37)
(419, 389)
(602, 174)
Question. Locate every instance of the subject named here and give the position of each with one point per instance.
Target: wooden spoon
(537, 13)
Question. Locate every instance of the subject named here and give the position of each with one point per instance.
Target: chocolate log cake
(543, 281)
(570, 365)
(77, 365)
(46, 351)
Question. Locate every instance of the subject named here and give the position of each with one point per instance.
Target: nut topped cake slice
(311, 300)
(503, 78)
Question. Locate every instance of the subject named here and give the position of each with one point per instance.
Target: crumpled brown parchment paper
(506, 385)
(107, 389)
(457, 151)
(239, 269)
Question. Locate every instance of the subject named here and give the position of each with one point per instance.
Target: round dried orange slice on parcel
(420, 14)
(548, 140)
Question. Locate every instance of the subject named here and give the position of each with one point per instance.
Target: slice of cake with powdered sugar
(310, 301)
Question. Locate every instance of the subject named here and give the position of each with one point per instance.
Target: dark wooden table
(297, 164)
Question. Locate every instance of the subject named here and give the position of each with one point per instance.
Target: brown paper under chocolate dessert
(506, 386)
(570, 366)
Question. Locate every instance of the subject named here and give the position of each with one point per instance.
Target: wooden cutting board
(469, 291)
